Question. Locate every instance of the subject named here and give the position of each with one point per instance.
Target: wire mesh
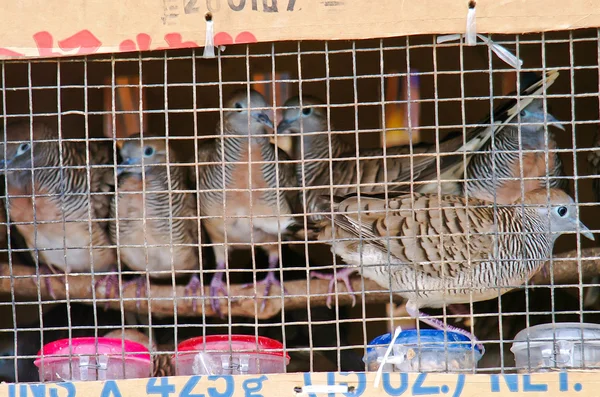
(145, 235)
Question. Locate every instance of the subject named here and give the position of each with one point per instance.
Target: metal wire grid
(341, 79)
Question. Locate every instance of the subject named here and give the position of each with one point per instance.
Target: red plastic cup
(93, 359)
(230, 355)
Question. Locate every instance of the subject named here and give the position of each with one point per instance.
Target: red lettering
(45, 44)
(223, 38)
(143, 43)
(5, 52)
(245, 37)
(174, 40)
(84, 40)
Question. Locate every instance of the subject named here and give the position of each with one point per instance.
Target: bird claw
(217, 286)
(45, 272)
(268, 283)
(415, 313)
(111, 284)
(191, 290)
(342, 275)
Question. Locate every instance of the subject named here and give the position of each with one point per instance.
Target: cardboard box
(359, 384)
(38, 28)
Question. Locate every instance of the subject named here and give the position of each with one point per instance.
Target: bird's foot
(191, 290)
(46, 272)
(268, 283)
(342, 275)
(438, 324)
(217, 286)
(110, 284)
(140, 285)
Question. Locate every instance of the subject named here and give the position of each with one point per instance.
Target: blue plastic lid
(428, 338)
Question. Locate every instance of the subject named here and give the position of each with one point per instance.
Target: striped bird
(238, 188)
(440, 250)
(154, 220)
(404, 166)
(514, 160)
(55, 197)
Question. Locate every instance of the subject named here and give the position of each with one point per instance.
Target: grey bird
(56, 199)
(245, 196)
(440, 250)
(404, 165)
(154, 220)
(514, 161)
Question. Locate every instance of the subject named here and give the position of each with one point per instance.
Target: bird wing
(453, 166)
(426, 231)
(102, 177)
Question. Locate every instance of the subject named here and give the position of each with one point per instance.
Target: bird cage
(188, 188)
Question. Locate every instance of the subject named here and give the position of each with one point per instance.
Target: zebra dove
(494, 172)
(404, 165)
(155, 220)
(440, 250)
(55, 197)
(239, 196)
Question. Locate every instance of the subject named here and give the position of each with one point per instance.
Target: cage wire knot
(386, 357)
(500, 51)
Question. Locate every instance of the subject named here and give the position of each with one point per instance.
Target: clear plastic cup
(93, 359)
(230, 355)
(428, 351)
(548, 347)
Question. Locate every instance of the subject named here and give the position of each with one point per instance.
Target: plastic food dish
(555, 346)
(93, 359)
(428, 351)
(230, 355)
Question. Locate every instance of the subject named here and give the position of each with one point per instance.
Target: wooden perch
(244, 302)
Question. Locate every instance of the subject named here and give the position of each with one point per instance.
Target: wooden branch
(244, 302)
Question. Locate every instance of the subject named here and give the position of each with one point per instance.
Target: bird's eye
(24, 147)
(238, 105)
(523, 113)
(148, 151)
(306, 111)
(562, 211)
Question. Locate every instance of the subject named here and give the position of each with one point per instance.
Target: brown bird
(514, 160)
(155, 218)
(440, 250)
(404, 166)
(239, 189)
(161, 355)
(55, 197)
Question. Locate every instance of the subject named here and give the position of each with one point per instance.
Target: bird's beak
(583, 229)
(283, 126)
(121, 169)
(263, 118)
(554, 121)
(4, 164)
(550, 119)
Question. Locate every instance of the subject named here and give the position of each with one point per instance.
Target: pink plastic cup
(230, 355)
(93, 359)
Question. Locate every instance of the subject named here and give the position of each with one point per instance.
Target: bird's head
(559, 210)
(310, 116)
(24, 144)
(533, 117)
(247, 112)
(150, 150)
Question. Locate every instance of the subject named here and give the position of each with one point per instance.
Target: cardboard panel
(38, 28)
(580, 384)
